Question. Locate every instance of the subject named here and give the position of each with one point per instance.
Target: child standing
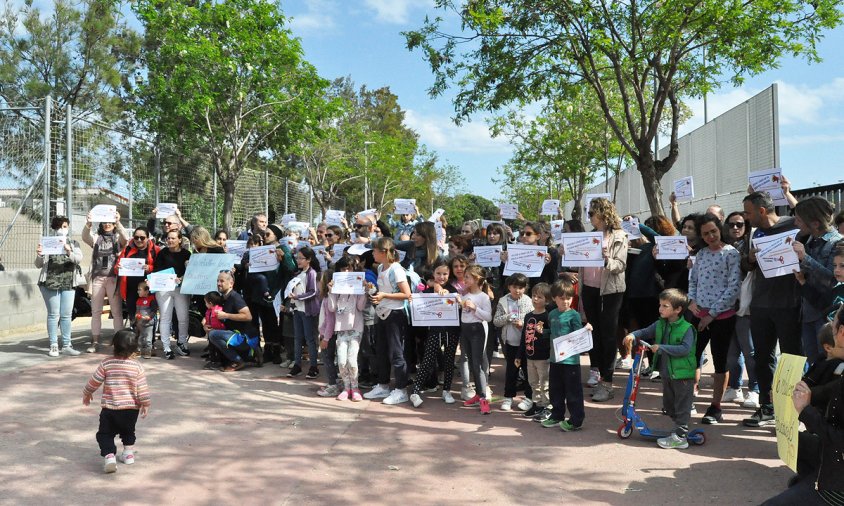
(564, 386)
(213, 303)
(125, 396)
(535, 349)
(145, 309)
(477, 308)
(348, 329)
(674, 356)
(306, 303)
(327, 338)
(510, 318)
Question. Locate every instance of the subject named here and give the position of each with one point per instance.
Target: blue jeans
(220, 339)
(303, 332)
(809, 337)
(742, 346)
(59, 311)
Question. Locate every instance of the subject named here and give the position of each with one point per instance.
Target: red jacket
(130, 251)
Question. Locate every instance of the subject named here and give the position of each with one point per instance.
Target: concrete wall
(21, 301)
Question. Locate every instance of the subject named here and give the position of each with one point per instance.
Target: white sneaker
(69, 351)
(733, 395)
(414, 399)
(329, 391)
(619, 362)
(467, 393)
(751, 400)
(447, 397)
(54, 350)
(693, 411)
(594, 377)
(525, 405)
(497, 354)
(397, 396)
(377, 392)
(127, 458)
(488, 392)
(507, 404)
(110, 463)
(627, 363)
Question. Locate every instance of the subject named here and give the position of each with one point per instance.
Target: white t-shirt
(386, 286)
(299, 289)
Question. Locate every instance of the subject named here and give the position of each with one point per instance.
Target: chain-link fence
(115, 166)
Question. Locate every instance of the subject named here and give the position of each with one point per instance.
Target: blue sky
(361, 39)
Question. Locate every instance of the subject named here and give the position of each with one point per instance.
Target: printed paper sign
(440, 230)
(235, 247)
(433, 310)
(436, 216)
(202, 272)
(788, 373)
(557, 227)
(319, 251)
(358, 249)
(104, 214)
(262, 259)
(776, 256)
(573, 344)
(769, 180)
(335, 217)
(583, 249)
(529, 260)
(165, 210)
(368, 212)
(132, 267)
(684, 188)
(551, 207)
(162, 281)
(486, 223)
(287, 218)
(348, 283)
(509, 211)
(631, 228)
(277, 303)
(53, 245)
(589, 197)
(302, 227)
(404, 206)
(671, 247)
(291, 285)
(488, 256)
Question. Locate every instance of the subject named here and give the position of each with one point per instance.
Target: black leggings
(438, 338)
(718, 335)
(602, 312)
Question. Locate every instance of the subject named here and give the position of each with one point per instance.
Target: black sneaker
(212, 365)
(543, 415)
(169, 355)
(182, 349)
(313, 373)
(296, 371)
(712, 416)
(258, 355)
(532, 411)
(763, 417)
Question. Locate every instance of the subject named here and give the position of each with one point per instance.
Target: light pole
(365, 173)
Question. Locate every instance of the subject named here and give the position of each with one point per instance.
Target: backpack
(413, 280)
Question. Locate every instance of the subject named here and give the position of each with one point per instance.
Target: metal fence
(87, 162)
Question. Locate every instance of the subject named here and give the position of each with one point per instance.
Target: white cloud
(317, 17)
(396, 11)
(441, 134)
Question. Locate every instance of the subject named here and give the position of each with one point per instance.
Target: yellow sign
(788, 373)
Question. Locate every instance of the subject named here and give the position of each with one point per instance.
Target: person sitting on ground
(240, 339)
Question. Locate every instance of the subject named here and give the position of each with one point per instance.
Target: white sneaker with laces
(54, 350)
(377, 392)
(627, 363)
(733, 395)
(525, 405)
(447, 397)
(751, 400)
(397, 396)
(594, 377)
(69, 351)
(467, 393)
(507, 404)
(415, 400)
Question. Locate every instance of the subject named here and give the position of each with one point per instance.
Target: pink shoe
(484, 406)
(356, 395)
(472, 401)
(344, 395)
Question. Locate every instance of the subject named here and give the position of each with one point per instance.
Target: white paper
(671, 247)
(348, 283)
(551, 207)
(488, 256)
(404, 206)
(291, 242)
(161, 282)
(583, 249)
(319, 251)
(557, 227)
(165, 210)
(684, 188)
(358, 249)
(302, 226)
(291, 285)
(262, 258)
(132, 267)
(589, 197)
(770, 181)
(202, 272)
(103, 213)
(631, 228)
(440, 230)
(335, 217)
(436, 216)
(367, 212)
(303, 244)
(287, 218)
(434, 310)
(277, 303)
(53, 245)
(529, 260)
(509, 211)
(573, 344)
(236, 247)
(486, 223)
(776, 256)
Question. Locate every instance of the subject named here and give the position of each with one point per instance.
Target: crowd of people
(717, 298)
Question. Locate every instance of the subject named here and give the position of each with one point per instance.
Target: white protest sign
(436, 216)
(348, 283)
(529, 260)
(671, 247)
(631, 228)
(589, 197)
(104, 214)
(550, 207)
(486, 223)
(287, 218)
(583, 249)
(776, 256)
(367, 212)
(291, 285)
(165, 210)
(202, 272)
(319, 251)
(132, 267)
(262, 258)
(770, 181)
(161, 281)
(301, 226)
(358, 249)
(509, 211)
(434, 310)
(684, 188)
(557, 227)
(53, 245)
(488, 256)
(335, 217)
(404, 206)
(573, 344)
(236, 247)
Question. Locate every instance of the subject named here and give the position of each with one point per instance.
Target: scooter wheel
(625, 430)
(697, 437)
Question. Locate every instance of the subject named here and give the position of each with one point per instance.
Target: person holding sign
(404, 225)
(306, 312)
(141, 246)
(176, 258)
(60, 274)
(347, 312)
(477, 308)
(172, 222)
(107, 242)
(673, 346)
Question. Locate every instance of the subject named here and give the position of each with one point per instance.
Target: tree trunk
(652, 184)
(228, 203)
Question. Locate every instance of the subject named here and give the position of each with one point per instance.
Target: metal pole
(69, 166)
(311, 205)
(286, 194)
(157, 176)
(214, 201)
(267, 193)
(365, 175)
(131, 222)
(45, 216)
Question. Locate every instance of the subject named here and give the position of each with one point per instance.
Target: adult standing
(258, 223)
(172, 222)
(236, 317)
(60, 275)
(176, 258)
(141, 246)
(107, 242)
(202, 242)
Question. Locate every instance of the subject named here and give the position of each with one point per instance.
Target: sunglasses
(528, 234)
(358, 225)
(140, 238)
(329, 235)
(736, 224)
(227, 271)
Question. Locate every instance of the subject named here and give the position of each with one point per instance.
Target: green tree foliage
(649, 53)
(464, 207)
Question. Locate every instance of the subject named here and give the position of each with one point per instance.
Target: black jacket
(829, 426)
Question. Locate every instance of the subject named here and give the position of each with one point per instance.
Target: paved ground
(255, 437)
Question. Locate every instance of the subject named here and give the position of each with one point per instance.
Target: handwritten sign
(684, 188)
(404, 206)
(335, 217)
(671, 247)
(509, 211)
(583, 249)
(776, 256)
(431, 309)
(104, 214)
(631, 228)
(132, 267)
(770, 181)
(529, 260)
(162, 281)
(488, 256)
(550, 207)
(165, 210)
(262, 259)
(202, 271)
(53, 245)
(788, 373)
(573, 344)
(348, 283)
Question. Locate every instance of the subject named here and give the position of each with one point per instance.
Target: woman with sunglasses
(107, 243)
(139, 247)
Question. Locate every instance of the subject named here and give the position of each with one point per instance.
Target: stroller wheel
(624, 430)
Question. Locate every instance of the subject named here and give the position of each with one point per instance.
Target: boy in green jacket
(674, 355)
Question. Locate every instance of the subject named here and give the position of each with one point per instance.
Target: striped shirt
(124, 384)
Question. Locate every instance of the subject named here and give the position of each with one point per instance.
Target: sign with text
(788, 373)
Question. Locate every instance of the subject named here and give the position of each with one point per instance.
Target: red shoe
(473, 401)
(484, 406)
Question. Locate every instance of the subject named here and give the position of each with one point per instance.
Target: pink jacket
(326, 321)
